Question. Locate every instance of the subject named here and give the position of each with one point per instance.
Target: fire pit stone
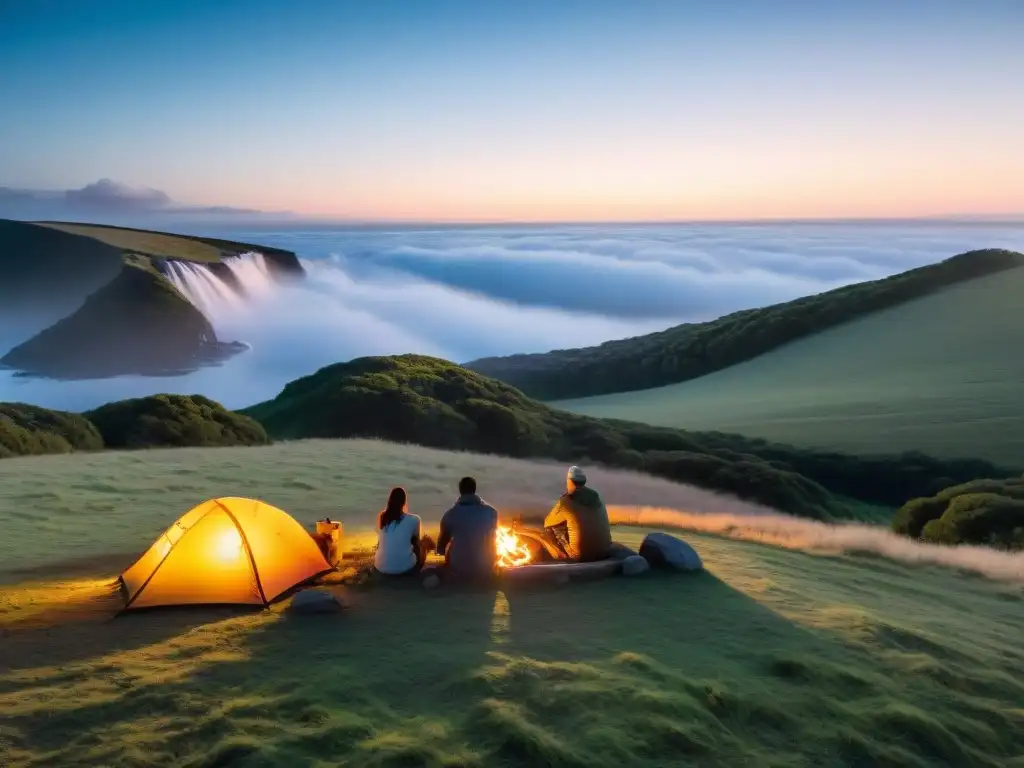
(635, 564)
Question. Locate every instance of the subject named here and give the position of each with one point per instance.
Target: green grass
(113, 504)
(137, 241)
(143, 242)
(170, 245)
(942, 375)
(772, 657)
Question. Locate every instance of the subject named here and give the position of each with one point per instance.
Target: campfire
(512, 551)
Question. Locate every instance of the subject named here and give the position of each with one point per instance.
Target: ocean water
(463, 292)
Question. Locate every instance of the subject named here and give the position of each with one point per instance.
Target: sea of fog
(467, 292)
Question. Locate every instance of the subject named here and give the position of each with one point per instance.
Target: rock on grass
(668, 552)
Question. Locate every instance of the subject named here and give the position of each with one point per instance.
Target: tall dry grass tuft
(811, 535)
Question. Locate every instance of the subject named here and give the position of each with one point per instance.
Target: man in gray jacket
(468, 532)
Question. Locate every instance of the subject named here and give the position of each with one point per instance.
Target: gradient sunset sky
(523, 110)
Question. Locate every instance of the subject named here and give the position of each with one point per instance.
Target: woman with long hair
(401, 547)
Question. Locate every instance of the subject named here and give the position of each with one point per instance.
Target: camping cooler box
(328, 538)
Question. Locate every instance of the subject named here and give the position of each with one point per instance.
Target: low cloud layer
(468, 292)
(674, 273)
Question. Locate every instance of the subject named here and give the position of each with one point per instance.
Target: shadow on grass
(659, 615)
(76, 620)
(648, 671)
(60, 636)
(401, 678)
(92, 566)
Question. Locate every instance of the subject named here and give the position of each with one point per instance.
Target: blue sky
(523, 110)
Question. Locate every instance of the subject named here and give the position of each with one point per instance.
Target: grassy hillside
(142, 242)
(112, 504)
(424, 400)
(166, 245)
(695, 349)
(942, 375)
(772, 658)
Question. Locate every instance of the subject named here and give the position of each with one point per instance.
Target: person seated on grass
(577, 528)
(468, 535)
(401, 547)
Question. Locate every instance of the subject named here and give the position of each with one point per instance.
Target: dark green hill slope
(694, 349)
(137, 323)
(42, 268)
(427, 401)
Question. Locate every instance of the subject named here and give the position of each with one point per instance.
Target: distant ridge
(687, 351)
(941, 374)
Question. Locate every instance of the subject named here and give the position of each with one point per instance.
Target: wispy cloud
(105, 194)
(110, 202)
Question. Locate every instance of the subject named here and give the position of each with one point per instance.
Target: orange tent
(228, 550)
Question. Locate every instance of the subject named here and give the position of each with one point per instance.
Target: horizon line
(296, 218)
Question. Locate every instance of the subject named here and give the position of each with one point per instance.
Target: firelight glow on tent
(226, 550)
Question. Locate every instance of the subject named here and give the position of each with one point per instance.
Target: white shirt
(394, 553)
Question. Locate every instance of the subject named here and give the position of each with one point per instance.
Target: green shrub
(30, 430)
(912, 517)
(977, 518)
(173, 420)
(988, 511)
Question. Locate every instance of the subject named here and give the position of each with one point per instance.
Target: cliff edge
(136, 324)
(133, 320)
(45, 270)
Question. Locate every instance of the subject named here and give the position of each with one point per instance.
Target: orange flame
(512, 552)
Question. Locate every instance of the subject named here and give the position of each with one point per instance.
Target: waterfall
(251, 272)
(211, 293)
